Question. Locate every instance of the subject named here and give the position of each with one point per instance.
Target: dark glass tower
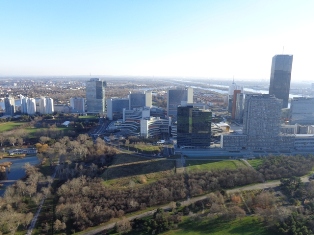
(193, 127)
(280, 77)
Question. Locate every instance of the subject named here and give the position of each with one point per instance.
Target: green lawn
(246, 226)
(207, 165)
(255, 162)
(7, 126)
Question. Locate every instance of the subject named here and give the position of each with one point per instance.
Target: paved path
(271, 184)
(34, 220)
(187, 202)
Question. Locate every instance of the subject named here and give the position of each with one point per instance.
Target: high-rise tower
(280, 77)
(9, 104)
(261, 121)
(95, 96)
(193, 126)
(175, 98)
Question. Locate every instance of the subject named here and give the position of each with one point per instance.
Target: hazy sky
(214, 39)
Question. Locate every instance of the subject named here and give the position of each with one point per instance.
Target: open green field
(207, 165)
(255, 162)
(128, 170)
(32, 131)
(7, 126)
(245, 226)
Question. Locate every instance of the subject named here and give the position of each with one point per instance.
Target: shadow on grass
(138, 169)
(244, 226)
(199, 162)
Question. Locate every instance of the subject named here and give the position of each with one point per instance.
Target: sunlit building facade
(95, 96)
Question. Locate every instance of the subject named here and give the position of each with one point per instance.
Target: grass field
(207, 165)
(255, 162)
(7, 126)
(128, 170)
(246, 226)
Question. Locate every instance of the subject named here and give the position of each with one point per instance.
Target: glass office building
(193, 126)
(280, 78)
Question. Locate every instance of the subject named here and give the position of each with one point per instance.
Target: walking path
(34, 220)
(187, 202)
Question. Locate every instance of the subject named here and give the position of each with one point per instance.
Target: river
(16, 171)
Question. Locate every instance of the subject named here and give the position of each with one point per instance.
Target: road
(187, 202)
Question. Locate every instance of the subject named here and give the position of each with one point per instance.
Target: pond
(16, 171)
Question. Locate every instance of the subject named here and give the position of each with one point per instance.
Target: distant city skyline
(208, 39)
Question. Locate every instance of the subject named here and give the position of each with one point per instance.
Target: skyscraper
(49, 106)
(46, 105)
(302, 111)
(23, 100)
(9, 105)
(95, 96)
(31, 106)
(280, 77)
(115, 107)
(234, 103)
(193, 126)
(140, 100)
(261, 120)
(77, 104)
(231, 95)
(175, 97)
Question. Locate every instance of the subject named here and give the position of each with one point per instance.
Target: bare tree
(12, 140)
(123, 226)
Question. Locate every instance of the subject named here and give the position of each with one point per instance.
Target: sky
(169, 38)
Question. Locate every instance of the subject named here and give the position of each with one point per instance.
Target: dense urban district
(146, 155)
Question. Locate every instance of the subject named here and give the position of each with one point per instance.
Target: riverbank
(17, 170)
(12, 156)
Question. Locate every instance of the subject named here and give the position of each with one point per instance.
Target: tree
(123, 226)
(57, 225)
(12, 140)
(2, 139)
(20, 141)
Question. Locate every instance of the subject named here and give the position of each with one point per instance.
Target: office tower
(234, 103)
(140, 100)
(9, 105)
(95, 96)
(49, 106)
(232, 88)
(239, 107)
(302, 111)
(77, 105)
(115, 108)
(175, 98)
(280, 77)
(23, 104)
(31, 106)
(261, 120)
(193, 126)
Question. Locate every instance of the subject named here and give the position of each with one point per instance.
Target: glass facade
(193, 126)
(95, 96)
(280, 78)
(175, 97)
